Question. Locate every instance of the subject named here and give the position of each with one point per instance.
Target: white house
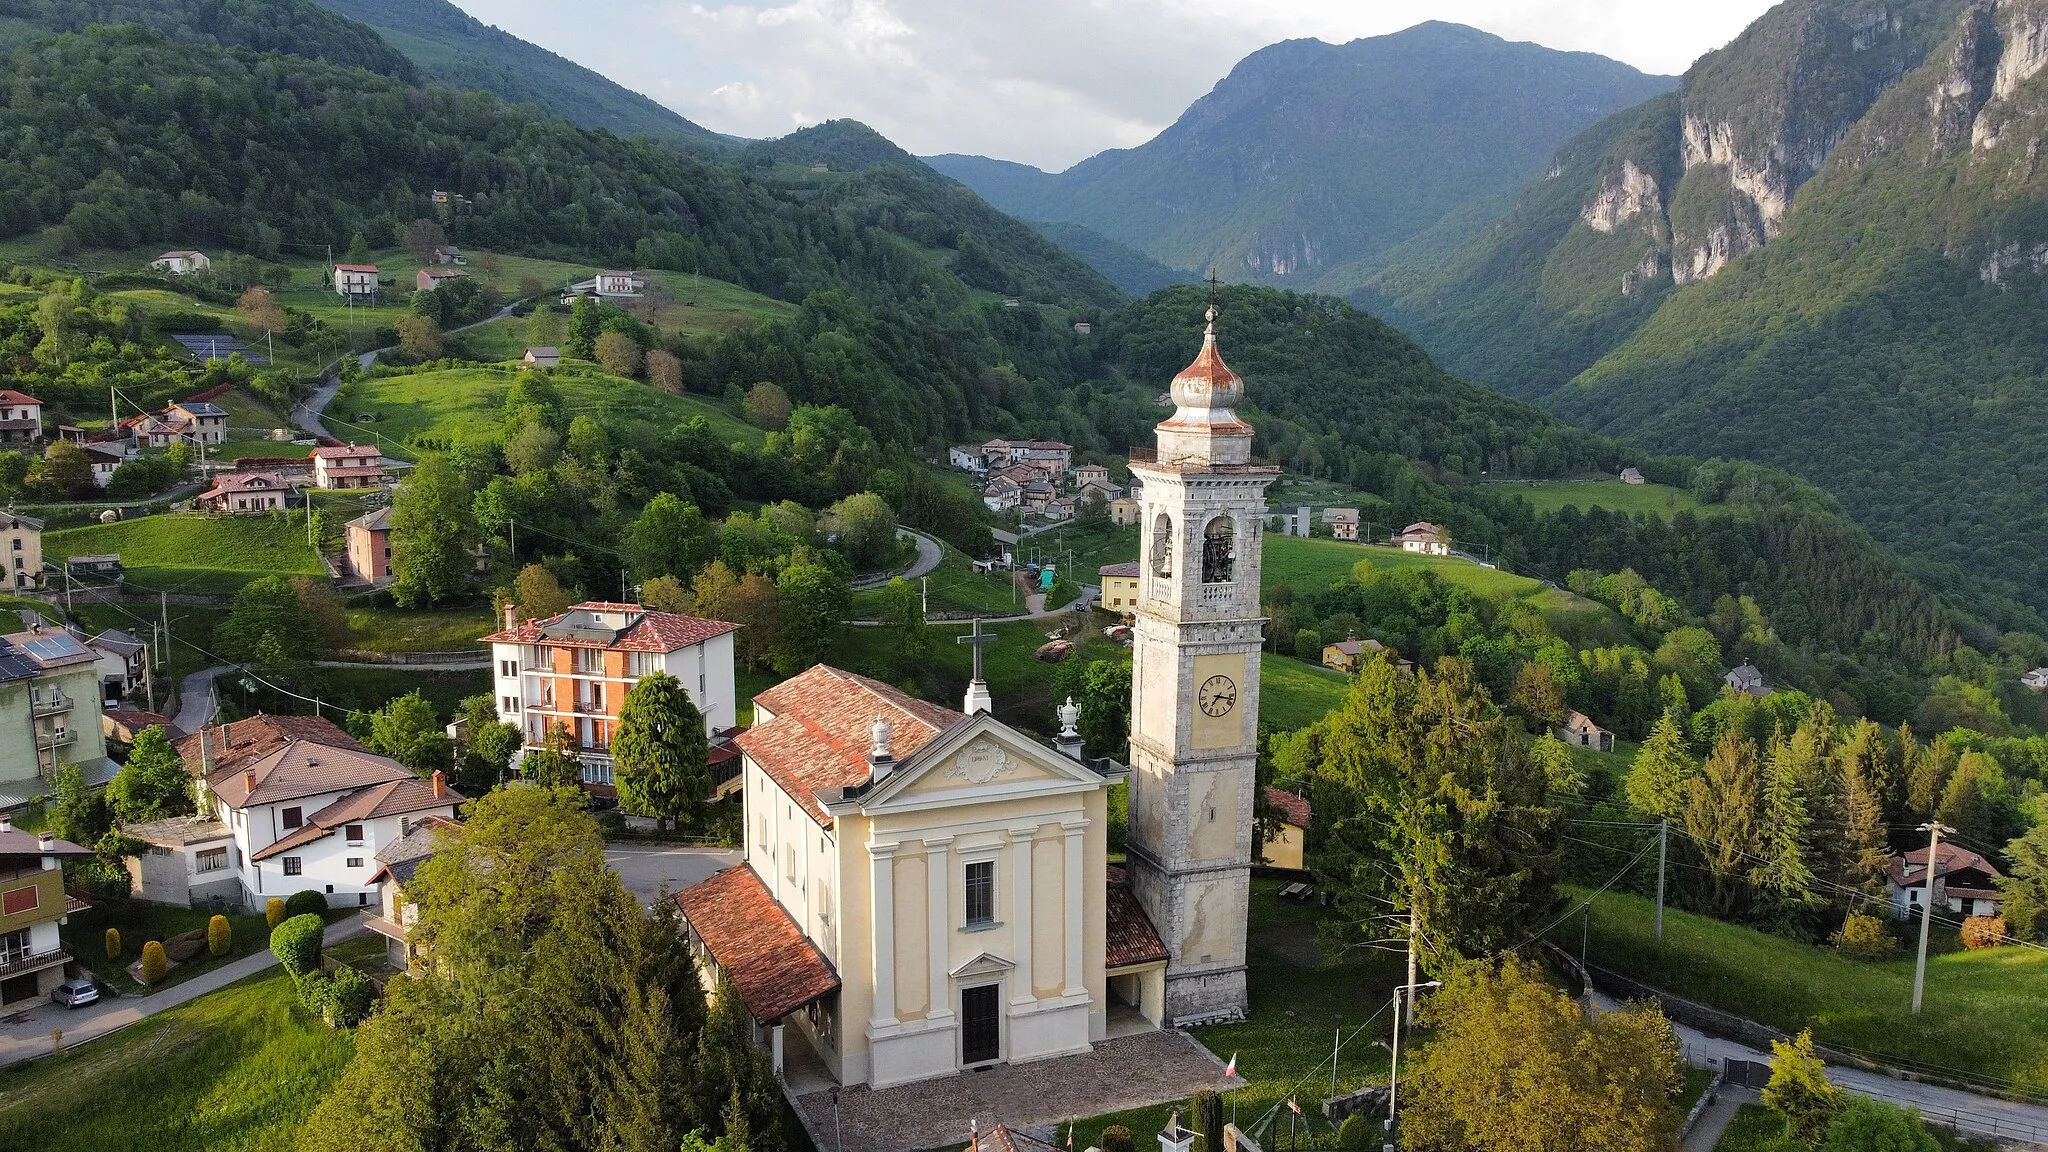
(306, 807)
(181, 261)
(576, 668)
(348, 466)
(542, 356)
(106, 458)
(967, 458)
(21, 417)
(2036, 679)
(244, 492)
(21, 538)
(1965, 883)
(395, 912)
(355, 281)
(614, 282)
(1747, 678)
(1425, 538)
(122, 660)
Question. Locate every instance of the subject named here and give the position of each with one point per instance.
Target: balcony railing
(14, 963)
(49, 704)
(56, 738)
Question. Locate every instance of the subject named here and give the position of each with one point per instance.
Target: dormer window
(1219, 551)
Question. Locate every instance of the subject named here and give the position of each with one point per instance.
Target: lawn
(11, 608)
(1294, 694)
(140, 921)
(193, 552)
(1986, 1011)
(375, 625)
(953, 587)
(1756, 1128)
(1610, 493)
(449, 404)
(237, 1070)
(1307, 563)
(1298, 999)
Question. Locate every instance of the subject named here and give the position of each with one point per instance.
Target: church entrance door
(981, 1024)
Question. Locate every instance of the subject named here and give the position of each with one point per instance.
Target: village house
(1083, 328)
(967, 458)
(1086, 474)
(575, 669)
(1342, 522)
(1286, 846)
(542, 356)
(1747, 678)
(348, 466)
(301, 806)
(1631, 476)
(1119, 586)
(1037, 495)
(2037, 679)
(1002, 494)
(428, 279)
(448, 254)
(122, 725)
(369, 546)
(1349, 654)
(1060, 508)
(50, 708)
(1579, 731)
(181, 262)
(241, 493)
(123, 664)
(1055, 458)
(22, 538)
(396, 913)
(106, 458)
(617, 283)
(33, 906)
(1425, 538)
(1107, 492)
(187, 421)
(923, 891)
(1292, 521)
(1965, 883)
(356, 282)
(1124, 510)
(21, 417)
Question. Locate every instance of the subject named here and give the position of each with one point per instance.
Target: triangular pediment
(979, 758)
(984, 964)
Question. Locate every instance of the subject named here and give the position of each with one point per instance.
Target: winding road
(307, 413)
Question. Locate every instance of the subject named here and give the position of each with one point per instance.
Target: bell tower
(1195, 685)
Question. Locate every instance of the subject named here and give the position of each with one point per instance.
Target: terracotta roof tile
(302, 768)
(1127, 568)
(817, 739)
(771, 965)
(1909, 869)
(1128, 937)
(391, 798)
(233, 745)
(652, 632)
(1294, 809)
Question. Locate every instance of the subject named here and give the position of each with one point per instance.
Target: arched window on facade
(1162, 545)
(1219, 551)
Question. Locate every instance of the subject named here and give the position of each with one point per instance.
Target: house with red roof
(923, 891)
(355, 281)
(1286, 842)
(575, 669)
(348, 466)
(1965, 883)
(21, 417)
(246, 492)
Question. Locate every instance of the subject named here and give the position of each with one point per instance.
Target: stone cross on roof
(978, 698)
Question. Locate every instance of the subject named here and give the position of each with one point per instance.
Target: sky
(1044, 82)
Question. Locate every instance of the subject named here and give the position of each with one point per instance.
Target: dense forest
(294, 27)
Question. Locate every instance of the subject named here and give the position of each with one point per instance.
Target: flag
(1070, 1136)
(1230, 1069)
(1293, 1107)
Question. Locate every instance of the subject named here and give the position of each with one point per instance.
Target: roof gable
(816, 740)
(976, 760)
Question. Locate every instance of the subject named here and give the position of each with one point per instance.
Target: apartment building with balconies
(49, 714)
(33, 906)
(575, 669)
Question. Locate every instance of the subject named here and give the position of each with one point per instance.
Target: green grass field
(192, 628)
(1294, 694)
(1307, 563)
(192, 552)
(11, 608)
(1611, 494)
(375, 625)
(234, 1071)
(954, 586)
(454, 403)
(1986, 1011)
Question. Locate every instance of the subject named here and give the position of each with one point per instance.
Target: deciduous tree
(553, 765)
(665, 371)
(1799, 1090)
(153, 783)
(814, 599)
(431, 530)
(408, 730)
(618, 353)
(538, 594)
(669, 538)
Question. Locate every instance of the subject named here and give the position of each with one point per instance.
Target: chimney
(511, 616)
(6, 822)
(440, 784)
(249, 781)
(1069, 740)
(47, 841)
(880, 760)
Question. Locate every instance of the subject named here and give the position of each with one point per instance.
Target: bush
(1983, 931)
(350, 996)
(186, 946)
(305, 902)
(314, 988)
(273, 912)
(1865, 1125)
(1354, 1133)
(113, 943)
(296, 943)
(220, 935)
(1864, 937)
(1116, 1138)
(154, 962)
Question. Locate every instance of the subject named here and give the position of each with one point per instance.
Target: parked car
(75, 993)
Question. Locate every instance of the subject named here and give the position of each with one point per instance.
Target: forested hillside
(1822, 253)
(1126, 267)
(299, 27)
(1310, 161)
(461, 51)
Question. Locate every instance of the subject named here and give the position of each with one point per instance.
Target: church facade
(925, 891)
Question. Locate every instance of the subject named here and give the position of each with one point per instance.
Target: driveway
(28, 1036)
(197, 699)
(1967, 1112)
(646, 869)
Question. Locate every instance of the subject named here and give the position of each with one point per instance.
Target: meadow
(1609, 493)
(195, 552)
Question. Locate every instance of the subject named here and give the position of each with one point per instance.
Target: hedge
(296, 943)
(113, 943)
(273, 912)
(305, 901)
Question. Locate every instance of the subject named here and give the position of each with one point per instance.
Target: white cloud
(1047, 82)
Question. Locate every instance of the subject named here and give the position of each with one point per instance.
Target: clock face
(1217, 696)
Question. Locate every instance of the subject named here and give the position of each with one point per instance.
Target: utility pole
(1336, 1046)
(164, 607)
(1414, 942)
(1663, 843)
(67, 585)
(1934, 829)
(1394, 1068)
(924, 593)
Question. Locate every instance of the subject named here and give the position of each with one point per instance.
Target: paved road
(1966, 1111)
(646, 869)
(29, 1036)
(1729, 1099)
(930, 554)
(197, 701)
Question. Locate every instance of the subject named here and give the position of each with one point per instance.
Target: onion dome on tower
(1204, 427)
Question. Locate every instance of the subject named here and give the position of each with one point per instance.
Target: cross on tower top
(978, 698)
(1214, 286)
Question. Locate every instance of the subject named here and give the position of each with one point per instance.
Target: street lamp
(1394, 1067)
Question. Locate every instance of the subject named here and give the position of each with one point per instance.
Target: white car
(75, 993)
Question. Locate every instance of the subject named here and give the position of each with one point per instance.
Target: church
(925, 891)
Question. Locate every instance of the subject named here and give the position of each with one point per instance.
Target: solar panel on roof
(14, 665)
(53, 647)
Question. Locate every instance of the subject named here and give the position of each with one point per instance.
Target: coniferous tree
(1928, 776)
(1720, 820)
(660, 750)
(1784, 869)
(2024, 888)
(1861, 762)
(1660, 778)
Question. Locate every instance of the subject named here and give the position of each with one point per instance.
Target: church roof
(817, 739)
(1128, 937)
(771, 965)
